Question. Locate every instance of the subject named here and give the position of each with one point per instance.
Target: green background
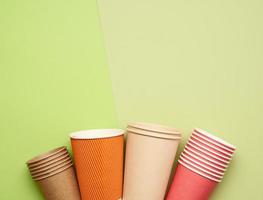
(193, 64)
(53, 81)
(182, 63)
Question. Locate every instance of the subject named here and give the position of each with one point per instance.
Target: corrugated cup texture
(99, 166)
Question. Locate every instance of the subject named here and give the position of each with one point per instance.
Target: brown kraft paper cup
(149, 158)
(61, 186)
(57, 181)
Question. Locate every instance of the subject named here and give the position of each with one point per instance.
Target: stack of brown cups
(150, 153)
(201, 167)
(54, 173)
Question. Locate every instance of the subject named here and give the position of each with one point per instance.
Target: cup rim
(224, 148)
(207, 153)
(187, 148)
(96, 134)
(155, 128)
(201, 169)
(202, 165)
(51, 166)
(55, 156)
(54, 173)
(198, 172)
(209, 150)
(217, 139)
(46, 155)
(36, 175)
(211, 146)
(152, 134)
(57, 159)
(211, 163)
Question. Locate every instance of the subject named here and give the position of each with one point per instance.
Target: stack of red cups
(201, 167)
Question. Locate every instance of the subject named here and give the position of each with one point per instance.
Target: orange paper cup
(98, 156)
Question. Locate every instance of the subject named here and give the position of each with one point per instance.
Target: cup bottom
(188, 185)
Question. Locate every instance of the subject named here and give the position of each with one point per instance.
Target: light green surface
(193, 64)
(53, 80)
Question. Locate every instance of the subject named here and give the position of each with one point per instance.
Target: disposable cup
(189, 185)
(60, 186)
(211, 147)
(98, 156)
(215, 139)
(150, 153)
(56, 181)
(202, 165)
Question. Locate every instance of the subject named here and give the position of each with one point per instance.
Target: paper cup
(150, 153)
(98, 156)
(56, 179)
(188, 185)
(60, 186)
(202, 165)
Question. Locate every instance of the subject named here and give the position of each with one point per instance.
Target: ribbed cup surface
(99, 166)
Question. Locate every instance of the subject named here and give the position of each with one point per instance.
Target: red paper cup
(188, 185)
(215, 139)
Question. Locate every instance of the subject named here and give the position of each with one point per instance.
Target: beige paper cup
(150, 154)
